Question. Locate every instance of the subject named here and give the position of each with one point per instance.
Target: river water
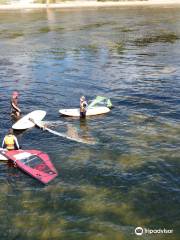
(130, 177)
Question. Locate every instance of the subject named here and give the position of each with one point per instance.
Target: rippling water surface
(130, 177)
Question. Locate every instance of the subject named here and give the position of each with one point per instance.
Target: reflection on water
(130, 177)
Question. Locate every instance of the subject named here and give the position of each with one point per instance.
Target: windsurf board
(25, 123)
(90, 111)
(2, 157)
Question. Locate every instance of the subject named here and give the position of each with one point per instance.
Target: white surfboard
(90, 112)
(2, 157)
(25, 123)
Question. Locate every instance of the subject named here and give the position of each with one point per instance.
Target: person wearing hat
(10, 141)
(15, 110)
(83, 107)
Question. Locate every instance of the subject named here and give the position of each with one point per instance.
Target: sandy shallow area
(89, 4)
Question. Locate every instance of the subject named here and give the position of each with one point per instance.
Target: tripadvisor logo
(140, 231)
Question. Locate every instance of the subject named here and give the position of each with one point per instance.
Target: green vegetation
(90, 48)
(44, 30)
(11, 35)
(15, 35)
(163, 38)
(116, 46)
(95, 25)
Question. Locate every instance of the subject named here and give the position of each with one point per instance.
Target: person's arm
(81, 105)
(3, 144)
(16, 107)
(16, 142)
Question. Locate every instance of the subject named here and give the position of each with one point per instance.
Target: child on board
(83, 107)
(15, 110)
(10, 141)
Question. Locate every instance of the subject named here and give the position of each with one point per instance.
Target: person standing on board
(10, 141)
(15, 110)
(83, 107)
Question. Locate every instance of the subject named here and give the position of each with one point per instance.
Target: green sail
(100, 101)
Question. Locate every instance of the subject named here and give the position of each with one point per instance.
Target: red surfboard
(34, 162)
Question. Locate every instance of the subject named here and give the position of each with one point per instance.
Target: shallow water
(130, 177)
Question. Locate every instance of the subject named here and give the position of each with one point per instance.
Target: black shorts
(82, 114)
